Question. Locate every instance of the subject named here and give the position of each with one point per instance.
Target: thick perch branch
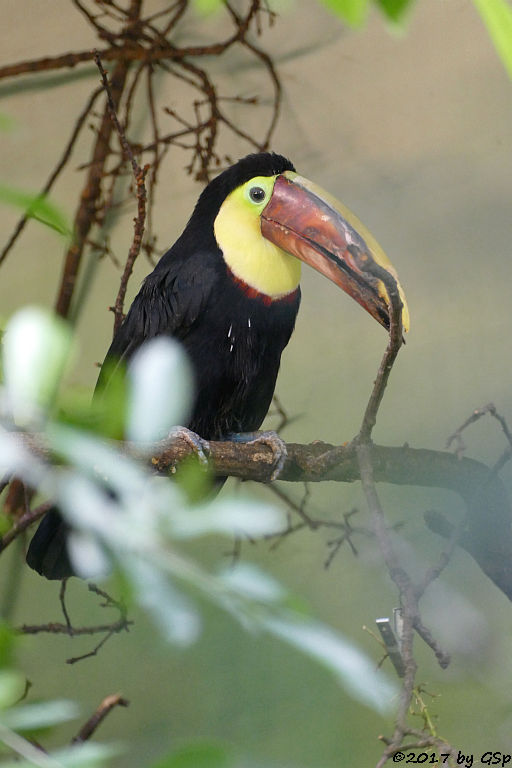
(486, 537)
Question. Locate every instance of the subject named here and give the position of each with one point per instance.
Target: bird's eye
(257, 194)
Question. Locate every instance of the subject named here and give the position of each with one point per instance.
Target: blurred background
(412, 131)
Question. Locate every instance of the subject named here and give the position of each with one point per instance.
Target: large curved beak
(304, 220)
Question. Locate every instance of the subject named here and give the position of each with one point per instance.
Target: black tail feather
(48, 553)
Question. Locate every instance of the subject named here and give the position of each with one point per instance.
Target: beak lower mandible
(304, 220)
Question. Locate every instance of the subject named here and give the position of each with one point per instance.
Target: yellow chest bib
(251, 257)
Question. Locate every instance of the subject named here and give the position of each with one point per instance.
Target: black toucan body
(228, 290)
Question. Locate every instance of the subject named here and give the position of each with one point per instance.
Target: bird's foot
(200, 446)
(267, 437)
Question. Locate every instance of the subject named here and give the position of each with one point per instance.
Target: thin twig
(57, 628)
(95, 720)
(140, 176)
(24, 522)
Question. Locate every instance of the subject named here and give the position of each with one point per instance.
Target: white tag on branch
(160, 390)
(35, 350)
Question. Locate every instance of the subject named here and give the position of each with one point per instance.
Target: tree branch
(87, 210)
(140, 177)
(486, 534)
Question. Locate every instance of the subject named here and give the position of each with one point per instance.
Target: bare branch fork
(141, 44)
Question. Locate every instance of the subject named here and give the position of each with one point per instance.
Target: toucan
(228, 290)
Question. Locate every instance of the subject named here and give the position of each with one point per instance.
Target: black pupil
(257, 194)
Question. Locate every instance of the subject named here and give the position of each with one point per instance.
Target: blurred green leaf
(207, 7)
(42, 715)
(198, 756)
(8, 640)
(195, 480)
(18, 460)
(107, 412)
(230, 517)
(395, 10)
(5, 525)
(87, 755)
(36, 207)
(354, 12)
(253, 583)
(171, 610)
(88, 557)
(12, 687)
(497, 17)
(161, 387)
(35, 349)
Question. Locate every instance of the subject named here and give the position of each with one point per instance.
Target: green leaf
(198, 756)
(395, 10)
(108, 410)
(87, 755)
(7, 643)
(12, 687)
(497, 17)
(161, 390)
(35, 350)
(207, 7)
(171, 611)
(42, 715)
(194, 480)
(253, 583)
(36, 207)
(354, 12)
(228, 517)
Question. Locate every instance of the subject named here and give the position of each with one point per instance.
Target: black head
(212, 197)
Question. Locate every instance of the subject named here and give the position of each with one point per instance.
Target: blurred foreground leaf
(43, 715)
(354, 670)
(198, 756)
(87, 755)
(35, 349)
(395, 10)
(12, 687)
(497, 17)
(8, 640)
(36, 207)
(354, 12)
(207, 7)
(161, 390)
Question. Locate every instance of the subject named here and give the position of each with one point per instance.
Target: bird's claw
(270, 438)
(200, 446)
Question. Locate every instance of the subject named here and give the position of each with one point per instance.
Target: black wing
(170, 302)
